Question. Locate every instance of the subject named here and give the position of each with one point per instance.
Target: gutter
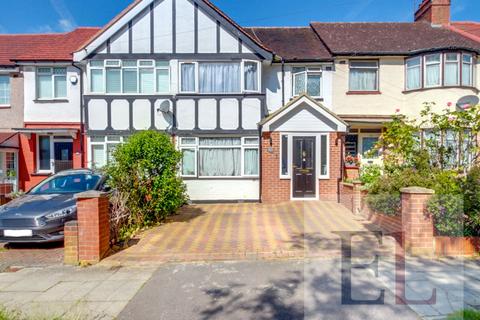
(82, 126)
(283, 82)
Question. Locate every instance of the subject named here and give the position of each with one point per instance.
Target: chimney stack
(437, 12)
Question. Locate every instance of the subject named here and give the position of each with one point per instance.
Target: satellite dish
(164, 106)
(467, 101)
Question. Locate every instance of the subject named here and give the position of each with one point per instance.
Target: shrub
(471, 191)
(369, 174)
(386, 203)
(466, 314)
(146, 169)
(447, 213)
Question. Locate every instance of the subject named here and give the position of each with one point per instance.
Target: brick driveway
(30, 255)
(247, 231)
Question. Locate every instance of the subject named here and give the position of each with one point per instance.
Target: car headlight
(61, 213)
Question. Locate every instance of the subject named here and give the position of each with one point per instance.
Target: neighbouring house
(45, 103)
(260, 113)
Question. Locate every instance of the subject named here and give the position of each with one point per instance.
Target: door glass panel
(44, 153)
(63, 156)
(368, 144)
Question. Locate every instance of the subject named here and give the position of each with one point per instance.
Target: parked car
(40, 214)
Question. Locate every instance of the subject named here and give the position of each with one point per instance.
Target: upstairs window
(414, 73)
(219, 77)
(4, 90)
(51, 83)
(448, 69)
(467, 70)
(307, 80)
(129, 76)
(363, 75)
(433, 70)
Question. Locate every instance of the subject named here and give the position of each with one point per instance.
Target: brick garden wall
(329, 189)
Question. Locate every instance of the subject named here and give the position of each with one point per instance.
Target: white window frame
(242, 146)
(407, 69)
(457, 62)
(242, 77)
(118, 64)
(440, 63)
(189, 146)
(104, 143)
(472, 80)
(53, 140)
(377, 69)
(9, 97)
(180, 76)
(259, 78)
(318, 160)
(308, 71)
(52, 74)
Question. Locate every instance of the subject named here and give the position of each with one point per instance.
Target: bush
(369, 174)
(386, 203)
(146, 169)
(466, 314)
(471, 191)
(447, 213)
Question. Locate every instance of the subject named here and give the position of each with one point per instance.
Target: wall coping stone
(417, 190)
(92, 194)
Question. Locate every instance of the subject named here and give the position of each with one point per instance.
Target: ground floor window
(362, 142)
(54, 153)
(8, 166)
(101, 149)
(219, 156)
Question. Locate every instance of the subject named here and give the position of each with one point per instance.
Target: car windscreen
(73, 183)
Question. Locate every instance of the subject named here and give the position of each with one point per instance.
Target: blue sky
(35, 16)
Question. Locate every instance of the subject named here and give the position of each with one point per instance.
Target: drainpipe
(283, 82)
(342, 163)
(82, 151)
(260, 150)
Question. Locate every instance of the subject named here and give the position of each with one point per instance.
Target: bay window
(129, 76)
(307, 80)
(219, 77)
(414, 73)
(452, 70)
(4, 90)
(433, 70)
(467, 69)
(448, 69)
(220, 157)
(51, 83)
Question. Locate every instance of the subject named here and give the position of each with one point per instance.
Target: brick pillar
(357, 197)
(417, 226)
(93, 226)
(70, 255)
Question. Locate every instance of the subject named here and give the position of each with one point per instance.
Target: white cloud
(45, 28)
(66, 21)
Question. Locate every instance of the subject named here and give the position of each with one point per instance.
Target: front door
(304, 185)
(63, 156)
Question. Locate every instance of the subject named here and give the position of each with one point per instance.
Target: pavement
(71, 292)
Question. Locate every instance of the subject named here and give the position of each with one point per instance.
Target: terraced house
(260, 114)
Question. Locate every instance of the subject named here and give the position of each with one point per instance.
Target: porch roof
(9, 140)
(304, 99)
(49, 131)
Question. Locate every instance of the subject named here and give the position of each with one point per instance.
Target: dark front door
(304, 185)
(63, 156)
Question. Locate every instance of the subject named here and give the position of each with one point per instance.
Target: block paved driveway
(248, 231)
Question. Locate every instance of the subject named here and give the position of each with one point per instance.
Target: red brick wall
(275, 189)
(70, 255)
(93, 228)
(346, 196)
(27, 161)
(329, 189)
(417, 225)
